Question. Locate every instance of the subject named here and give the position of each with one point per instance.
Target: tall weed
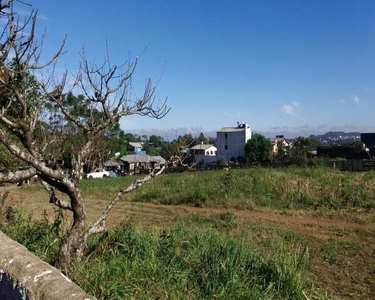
(39, 236)
(184, 263)
(178, 262)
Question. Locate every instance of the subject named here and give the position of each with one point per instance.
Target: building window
(226, 135)
(226, 147)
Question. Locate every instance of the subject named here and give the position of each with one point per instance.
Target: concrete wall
(24, 276)
(9, 289)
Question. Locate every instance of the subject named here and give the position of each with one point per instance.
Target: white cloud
(288, 109)
(295, 104)
(355, 99)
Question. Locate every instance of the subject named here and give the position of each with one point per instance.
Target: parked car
(98, 173)
(120, 171)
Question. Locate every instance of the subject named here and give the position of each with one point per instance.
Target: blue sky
(283, 67)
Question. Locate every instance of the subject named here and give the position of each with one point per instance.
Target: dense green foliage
(301, 149)
(300, 153)
(258, 148)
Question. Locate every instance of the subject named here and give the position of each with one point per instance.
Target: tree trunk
(74, 246)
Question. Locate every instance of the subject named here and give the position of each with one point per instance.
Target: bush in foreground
(184, 263)
(177, 262)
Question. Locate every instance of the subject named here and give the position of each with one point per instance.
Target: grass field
(299, 233)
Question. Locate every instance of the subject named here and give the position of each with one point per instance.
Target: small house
(135, 163)
(156, 162)
(279, 143)
(115, 166)
(203, 153)
(137, 148)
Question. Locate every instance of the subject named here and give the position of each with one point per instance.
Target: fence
(355, 165)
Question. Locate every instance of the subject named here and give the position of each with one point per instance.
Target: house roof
(157, 159)
(202, 147)
(231, 129)
(280, 140)
(112, 163)
(136, 144)
(134, 158)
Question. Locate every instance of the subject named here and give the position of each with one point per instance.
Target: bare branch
(9, 123)
(176, 160)
(17, 176)
(63, 204)
(22, 154)
(5, 5)
(100, 224)
(107, 86)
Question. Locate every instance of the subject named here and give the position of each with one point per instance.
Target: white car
(98, 174)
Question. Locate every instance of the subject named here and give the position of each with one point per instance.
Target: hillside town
(229, 148)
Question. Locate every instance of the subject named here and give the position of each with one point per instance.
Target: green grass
(41, 237)
(102, 189)
(177, 262)
(106, 188)
(284, 188)
(281, 188)
(217, 256)
(184, 263)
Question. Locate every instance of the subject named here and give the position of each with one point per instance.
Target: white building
(203, 152)
(278, 142)
(231, 141)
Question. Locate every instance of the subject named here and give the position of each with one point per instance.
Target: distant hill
(337, 137)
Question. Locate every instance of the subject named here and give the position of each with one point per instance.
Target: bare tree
(37, 118)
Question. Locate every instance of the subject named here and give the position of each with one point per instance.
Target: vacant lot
(325, 211)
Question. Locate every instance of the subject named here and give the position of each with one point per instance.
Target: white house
(137, 147)
(278, 142)
(203, 152)
(231, 141)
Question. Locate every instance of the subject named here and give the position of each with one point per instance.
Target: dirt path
(303, 222)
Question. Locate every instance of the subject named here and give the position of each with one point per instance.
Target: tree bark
(74, 245)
